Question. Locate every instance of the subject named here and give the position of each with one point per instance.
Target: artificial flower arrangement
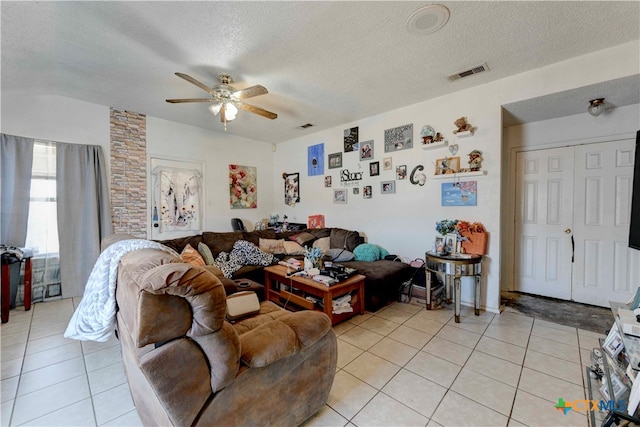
(471, 236)
(312, 257)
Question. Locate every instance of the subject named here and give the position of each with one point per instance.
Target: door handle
(567, 230)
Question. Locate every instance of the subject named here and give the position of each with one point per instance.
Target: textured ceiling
(326, 63)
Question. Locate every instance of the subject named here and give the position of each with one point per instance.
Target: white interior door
(544, 213)
(605, 269)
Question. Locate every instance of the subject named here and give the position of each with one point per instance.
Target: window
(42, 227)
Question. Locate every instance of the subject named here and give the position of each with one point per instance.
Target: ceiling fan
(225, 100)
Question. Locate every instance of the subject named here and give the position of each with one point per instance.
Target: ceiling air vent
(474, 70)
(308, 125)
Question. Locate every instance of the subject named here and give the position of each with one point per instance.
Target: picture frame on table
(438, 245)
(451, 242)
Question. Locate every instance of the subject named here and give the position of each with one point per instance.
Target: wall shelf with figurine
(435, 145)
(457, 175)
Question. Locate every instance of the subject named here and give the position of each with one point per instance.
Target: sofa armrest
(283, 337)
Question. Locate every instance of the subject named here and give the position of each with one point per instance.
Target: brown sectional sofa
(186, 365)
(383, 277)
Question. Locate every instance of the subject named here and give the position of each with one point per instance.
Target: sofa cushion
(179, 243)
(255, 235)
(206, 253)
(192, 256)
(304, 238)
(323, 243)
(293, 248)
(344, 239)
(340, 255)
(268, 343)
(369, 252)
(272, 246)
(221, 242)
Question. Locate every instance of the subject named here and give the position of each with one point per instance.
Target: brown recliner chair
(187, 365)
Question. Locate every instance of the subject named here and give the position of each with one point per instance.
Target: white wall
(61, 119)
(404, 222)
(56, 118)
(166, 139)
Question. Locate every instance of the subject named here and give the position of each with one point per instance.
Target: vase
(308, 264)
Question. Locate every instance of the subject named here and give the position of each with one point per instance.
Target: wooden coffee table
(276, 275)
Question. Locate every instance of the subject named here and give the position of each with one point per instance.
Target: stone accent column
(129, 172)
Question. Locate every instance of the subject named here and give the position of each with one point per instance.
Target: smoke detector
(428, 19)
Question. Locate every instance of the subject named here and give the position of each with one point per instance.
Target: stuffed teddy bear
(463, 126)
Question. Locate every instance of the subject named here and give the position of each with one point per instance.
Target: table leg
(447, 287)
(328, 306)
(428, 290)
(27, 285)
(456, 297)
(5, 293)
(477, 296)
(361, 296)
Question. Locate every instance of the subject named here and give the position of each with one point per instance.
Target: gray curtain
(16, 160)
(84, 212)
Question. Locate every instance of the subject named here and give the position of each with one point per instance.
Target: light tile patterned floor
(400, 366)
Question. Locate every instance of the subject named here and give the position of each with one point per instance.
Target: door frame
(508, 241)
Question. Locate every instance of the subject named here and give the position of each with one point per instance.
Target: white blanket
(95, 317)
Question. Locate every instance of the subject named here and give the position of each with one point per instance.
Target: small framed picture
(387, 187)
(447, 165)
(387, 163)
(401, 172)
(366, 150)
(438, 246)
(327, 181)
(450, 242)
(335, 160)
(374, 168)
(356, 190)
(366, 192)
(340, 196)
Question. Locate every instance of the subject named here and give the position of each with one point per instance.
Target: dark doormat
(568, 313)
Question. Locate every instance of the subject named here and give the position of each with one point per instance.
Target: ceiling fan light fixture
(215, 109)
(230, 111)
(596, 106)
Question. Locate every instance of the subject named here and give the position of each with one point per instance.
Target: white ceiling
(325, 63)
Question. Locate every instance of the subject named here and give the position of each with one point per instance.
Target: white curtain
(84, 212)
(16, 156)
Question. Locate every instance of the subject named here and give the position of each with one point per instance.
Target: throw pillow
(293, 248)
(272, 246)
(368, 252)
(206, 253)
(192, 256)
(303, 239)
(242, 304)
(345, 239)
(340, 255)
(323, 244)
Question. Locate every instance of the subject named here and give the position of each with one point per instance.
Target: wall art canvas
(462, 193)
(177, 194)
(243, 187)
(366, 150)
(398, 138)
(315, 221)
(351, 140)
(291, 188)
(315, 158)
(335, 160)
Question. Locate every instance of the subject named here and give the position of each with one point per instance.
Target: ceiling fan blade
(195, 82)
(176, 101)
(250, 91)
(258, 110)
